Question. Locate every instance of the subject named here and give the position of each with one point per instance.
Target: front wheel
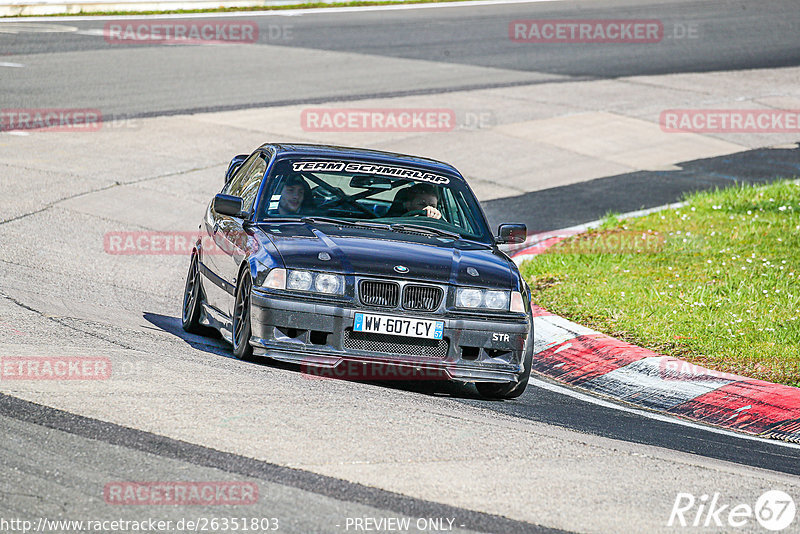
(241, 319)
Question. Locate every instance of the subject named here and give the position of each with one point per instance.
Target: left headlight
(329, 284)
(490, 299)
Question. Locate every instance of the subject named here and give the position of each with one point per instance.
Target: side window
(252, 183)
(246, 181)
(455, 208)
(235, 185)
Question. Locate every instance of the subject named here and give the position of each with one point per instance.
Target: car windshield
(403, 199)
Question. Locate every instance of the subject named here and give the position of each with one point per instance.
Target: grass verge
(714, 282)
(311, 5)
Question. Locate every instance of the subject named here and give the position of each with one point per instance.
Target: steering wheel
(325, 196)
(416, 213)
(339, 197)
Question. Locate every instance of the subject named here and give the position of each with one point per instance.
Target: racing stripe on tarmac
(581, 357)
(751, 405)
(586, 359)
(645, 384)
(787, 431)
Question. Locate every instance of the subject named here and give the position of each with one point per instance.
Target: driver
(294, 195)
(422, 198)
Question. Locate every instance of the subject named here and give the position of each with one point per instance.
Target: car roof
(331, 151)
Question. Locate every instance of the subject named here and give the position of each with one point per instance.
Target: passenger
(295, 195)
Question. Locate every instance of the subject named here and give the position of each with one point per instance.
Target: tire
(190, 313)
(241, 318)
(509, 390)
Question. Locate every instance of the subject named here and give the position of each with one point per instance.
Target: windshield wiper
(270, 220)
(342, 222)
(399, 227)
(396, 227)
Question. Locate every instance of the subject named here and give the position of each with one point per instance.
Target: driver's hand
(432, 212)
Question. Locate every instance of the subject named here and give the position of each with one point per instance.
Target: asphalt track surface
(735, 35)
(746, 35)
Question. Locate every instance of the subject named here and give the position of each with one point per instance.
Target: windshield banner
(369, 168)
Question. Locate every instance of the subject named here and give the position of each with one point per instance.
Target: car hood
(378, 253)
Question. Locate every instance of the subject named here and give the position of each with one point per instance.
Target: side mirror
(234, 165)
(511, 233)
(228, 205)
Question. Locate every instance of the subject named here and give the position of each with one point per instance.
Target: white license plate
(398, 326)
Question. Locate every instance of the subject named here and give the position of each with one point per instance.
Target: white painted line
(630, 215)
(27, 27)
(12, 65)
(534, 239)
(21, 134)
(289, 12)
(522, 258)
(562, 390)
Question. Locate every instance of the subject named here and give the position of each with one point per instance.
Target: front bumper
(320, 337)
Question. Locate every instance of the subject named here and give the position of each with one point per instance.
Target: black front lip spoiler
(331, 360)
(347, 366)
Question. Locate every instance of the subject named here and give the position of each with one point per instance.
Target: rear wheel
(190, 316)
(241, 318)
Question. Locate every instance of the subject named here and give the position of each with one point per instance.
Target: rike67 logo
(774, 510)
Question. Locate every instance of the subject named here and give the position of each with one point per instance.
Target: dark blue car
(361, 264)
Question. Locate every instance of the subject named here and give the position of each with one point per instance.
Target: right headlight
(488, 299)
(496, 300)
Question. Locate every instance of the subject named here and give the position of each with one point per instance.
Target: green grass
(357, 3)
(611, 220)
(714, 282)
